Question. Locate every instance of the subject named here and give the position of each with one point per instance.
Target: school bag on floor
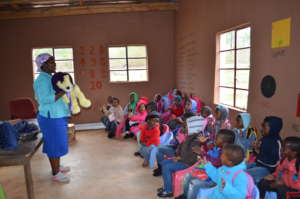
(8, 136)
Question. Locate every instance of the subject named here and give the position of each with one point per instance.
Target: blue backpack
(8, 136)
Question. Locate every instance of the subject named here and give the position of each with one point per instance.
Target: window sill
(233, 108)
(125, 82)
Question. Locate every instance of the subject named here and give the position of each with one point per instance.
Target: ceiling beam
(84, 10)
(9, 2)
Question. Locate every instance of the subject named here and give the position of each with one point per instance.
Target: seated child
(177, 122)
(199, 102)
(222, 118)
(231, 179)
(170, 150)
(150, 135)
(245, 136)
(286, 178)
(108, 105)
(131, 106)
(113, 117)
(190, 105)
(268, 149)
(206, 113)
(159, 103)
(192, 184)
(176, 109)
(184, 159)
(151, 108)
(135, 119)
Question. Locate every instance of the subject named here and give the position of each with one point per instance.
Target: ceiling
(20, 9)
(22, 5)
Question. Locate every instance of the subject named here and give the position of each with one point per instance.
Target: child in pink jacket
(286, 177)
(134, 120)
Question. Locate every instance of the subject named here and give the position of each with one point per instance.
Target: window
(128, 63)
(63, 59)
(233, 68)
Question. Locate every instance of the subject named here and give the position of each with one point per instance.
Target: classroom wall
(198, 21)
(89, 35)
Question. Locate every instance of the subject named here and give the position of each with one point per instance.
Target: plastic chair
(290, 195)
(256, 194)
(166, 128)
(23, 108)
(271, 195)
(204, 193)
(178, 178)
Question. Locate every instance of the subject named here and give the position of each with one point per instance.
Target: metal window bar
(127, 63)
(53, 49)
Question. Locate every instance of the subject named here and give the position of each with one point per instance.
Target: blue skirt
(55, 136)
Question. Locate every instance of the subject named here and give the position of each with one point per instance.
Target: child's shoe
(60, 177)
(64, 169)
(165, 195)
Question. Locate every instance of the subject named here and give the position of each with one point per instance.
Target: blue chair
(205, 192)
(255, 193)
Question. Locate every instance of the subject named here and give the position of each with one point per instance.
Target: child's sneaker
(64, 169)
(60, 177)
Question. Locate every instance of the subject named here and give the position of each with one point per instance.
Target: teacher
(52, 116)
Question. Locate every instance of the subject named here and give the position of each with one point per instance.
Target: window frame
(127, 63)
(53, 50)
(235, 68)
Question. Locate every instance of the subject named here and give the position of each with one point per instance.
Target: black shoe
(181, 197)
(157, 172)
(127, 136)
(165, 195)
(131, 135)
(138, 154)
(160, 190)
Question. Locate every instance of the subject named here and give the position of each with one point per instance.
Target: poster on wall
(298, 108)
(281, 33)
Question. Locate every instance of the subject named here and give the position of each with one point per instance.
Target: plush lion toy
(63, 81)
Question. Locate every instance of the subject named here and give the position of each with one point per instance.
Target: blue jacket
(45, 96)
(235, 190)
(241, 134)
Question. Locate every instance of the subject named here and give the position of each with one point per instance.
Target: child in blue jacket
(232, 182)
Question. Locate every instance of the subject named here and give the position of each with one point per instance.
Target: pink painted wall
(18, 37)
(197, 23)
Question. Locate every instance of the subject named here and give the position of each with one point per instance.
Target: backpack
(251, 130)
(250, 184)
(8, 136)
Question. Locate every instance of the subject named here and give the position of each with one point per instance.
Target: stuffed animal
(63, 81)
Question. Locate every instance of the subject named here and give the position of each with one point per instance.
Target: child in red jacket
(150, 136)
(286, 177)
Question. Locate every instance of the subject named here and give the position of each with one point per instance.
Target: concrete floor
(101, 168)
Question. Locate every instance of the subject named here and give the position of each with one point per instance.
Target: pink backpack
(250, 184)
